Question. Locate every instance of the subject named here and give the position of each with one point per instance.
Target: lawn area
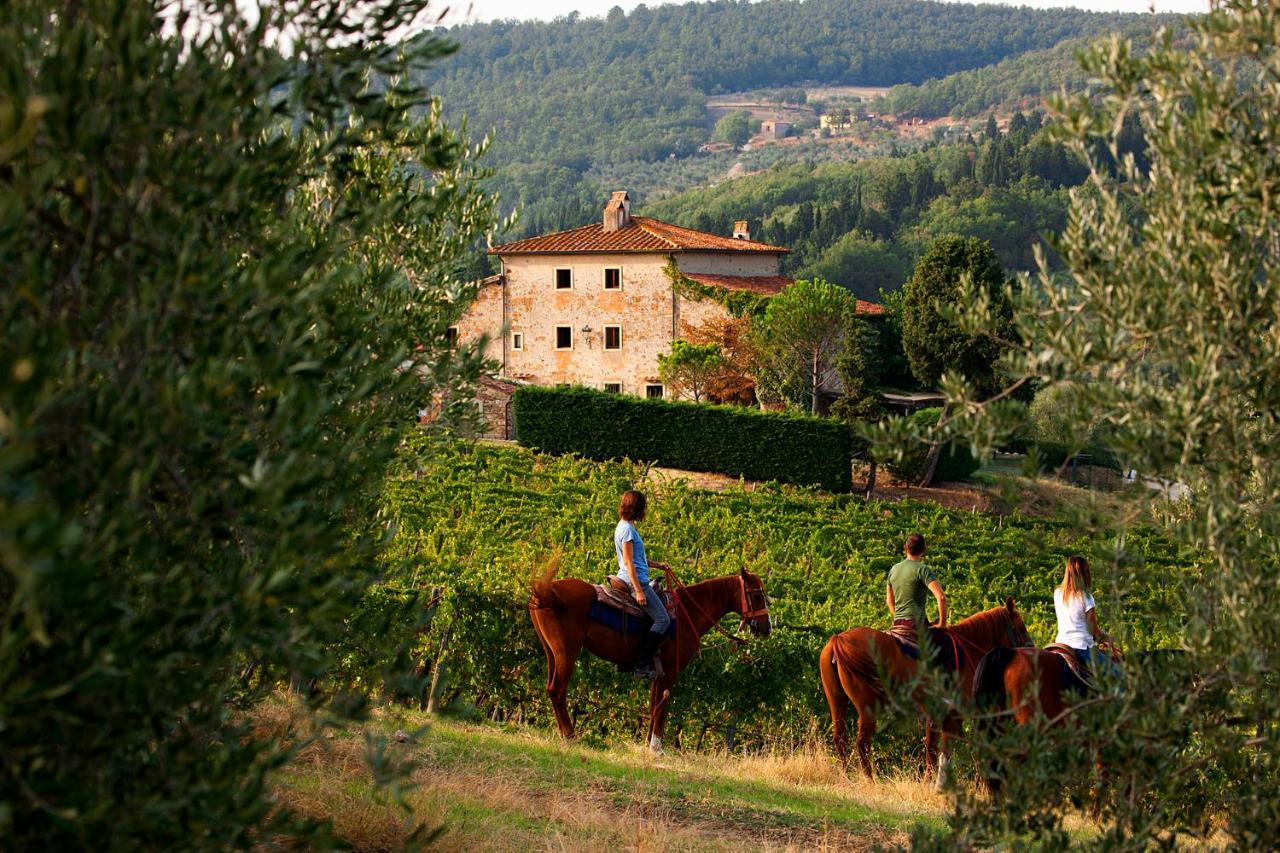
(489, 788)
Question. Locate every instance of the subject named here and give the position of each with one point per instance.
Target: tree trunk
(437, 675)
(934, 453)
(813, 380)
(871, 481)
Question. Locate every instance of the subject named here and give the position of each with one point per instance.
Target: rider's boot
(644, 666)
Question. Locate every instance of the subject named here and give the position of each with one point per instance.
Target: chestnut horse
(559, 612)
(1026, 683)
(852, 661)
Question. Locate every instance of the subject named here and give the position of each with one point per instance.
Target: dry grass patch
(485, 789)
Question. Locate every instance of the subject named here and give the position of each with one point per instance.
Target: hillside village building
(595, 305)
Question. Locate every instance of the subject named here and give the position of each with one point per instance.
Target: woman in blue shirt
(633, 570)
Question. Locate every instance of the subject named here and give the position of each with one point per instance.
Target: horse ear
(1008, 603)
(743, 571)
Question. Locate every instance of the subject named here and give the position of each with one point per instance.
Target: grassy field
(489, 788)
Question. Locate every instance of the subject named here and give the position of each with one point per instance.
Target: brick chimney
(741, 230)
(617, 213)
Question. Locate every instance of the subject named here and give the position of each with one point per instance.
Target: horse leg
(561, 656)
(837, 701)
(866, 730)
(930, 747)
(950, 731)
(659, 703)
(865, 700)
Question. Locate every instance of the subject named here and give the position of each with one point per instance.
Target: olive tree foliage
(228, 275)
(1167, 329)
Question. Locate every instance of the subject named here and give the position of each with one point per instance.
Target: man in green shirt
(905, 592)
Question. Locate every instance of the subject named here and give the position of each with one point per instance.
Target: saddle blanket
(947, 653)
(619, 611)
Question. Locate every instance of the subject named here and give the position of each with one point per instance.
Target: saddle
(946, 652)
(615, 607)
(1075, 674)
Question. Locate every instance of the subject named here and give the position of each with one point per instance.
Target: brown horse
(852, 661)
(1024, 682)
(559, 612)
(1029, 684)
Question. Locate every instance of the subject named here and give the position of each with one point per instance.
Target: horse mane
(987, 625)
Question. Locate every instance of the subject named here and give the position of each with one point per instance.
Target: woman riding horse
(559, 610)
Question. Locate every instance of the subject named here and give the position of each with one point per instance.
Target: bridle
(752, 604)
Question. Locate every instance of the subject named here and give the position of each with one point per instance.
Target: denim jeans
(1097, 661)
(653, 606)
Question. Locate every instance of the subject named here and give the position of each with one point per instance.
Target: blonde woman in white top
(1077, 617)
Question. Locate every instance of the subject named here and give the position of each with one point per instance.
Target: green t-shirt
(910, 581)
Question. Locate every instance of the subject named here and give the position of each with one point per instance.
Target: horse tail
(988, 679)
(543, 594)
(856, 661)
(837, 699)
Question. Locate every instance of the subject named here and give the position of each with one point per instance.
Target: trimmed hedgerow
(725, 439)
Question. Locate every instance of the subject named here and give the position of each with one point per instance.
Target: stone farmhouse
(596, 305)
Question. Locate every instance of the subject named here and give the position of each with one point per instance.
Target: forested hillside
(574, 95)
(1012, 82)
(863, 224)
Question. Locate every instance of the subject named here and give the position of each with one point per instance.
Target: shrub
(1055, 432)
(955, 465)
(729, 440)
(202, 299)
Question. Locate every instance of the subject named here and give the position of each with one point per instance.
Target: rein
(678, 585)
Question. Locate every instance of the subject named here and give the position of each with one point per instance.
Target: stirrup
(652, 670)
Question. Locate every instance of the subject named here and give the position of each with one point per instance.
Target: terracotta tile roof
(642, 235)
(766, 285)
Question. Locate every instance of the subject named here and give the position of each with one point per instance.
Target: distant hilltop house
(596, 306)
(775, 129)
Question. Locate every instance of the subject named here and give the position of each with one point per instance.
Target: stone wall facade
(640, 318)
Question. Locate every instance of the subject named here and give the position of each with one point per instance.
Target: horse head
(1018, 634)
(754, 605)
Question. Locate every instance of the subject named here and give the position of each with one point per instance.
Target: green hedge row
(724, 439)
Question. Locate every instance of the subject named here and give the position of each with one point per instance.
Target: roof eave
(502, 250)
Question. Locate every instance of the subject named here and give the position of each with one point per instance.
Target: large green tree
(951, 273)
(798, 338)
(228, 275)
(690, 368)
(1165, 329)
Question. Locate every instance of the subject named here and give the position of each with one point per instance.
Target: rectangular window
(517, 340)
(613, 387)
(564, 279)
(451, 335)
(613, 279)
(613, 337)
(653, 392)
(564, 337)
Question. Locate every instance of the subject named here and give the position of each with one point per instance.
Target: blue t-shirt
(626, 532)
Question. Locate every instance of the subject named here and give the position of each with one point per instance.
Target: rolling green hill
(602, 95)
(1021, 81)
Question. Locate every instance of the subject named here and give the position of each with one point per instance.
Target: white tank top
(1073, 627)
